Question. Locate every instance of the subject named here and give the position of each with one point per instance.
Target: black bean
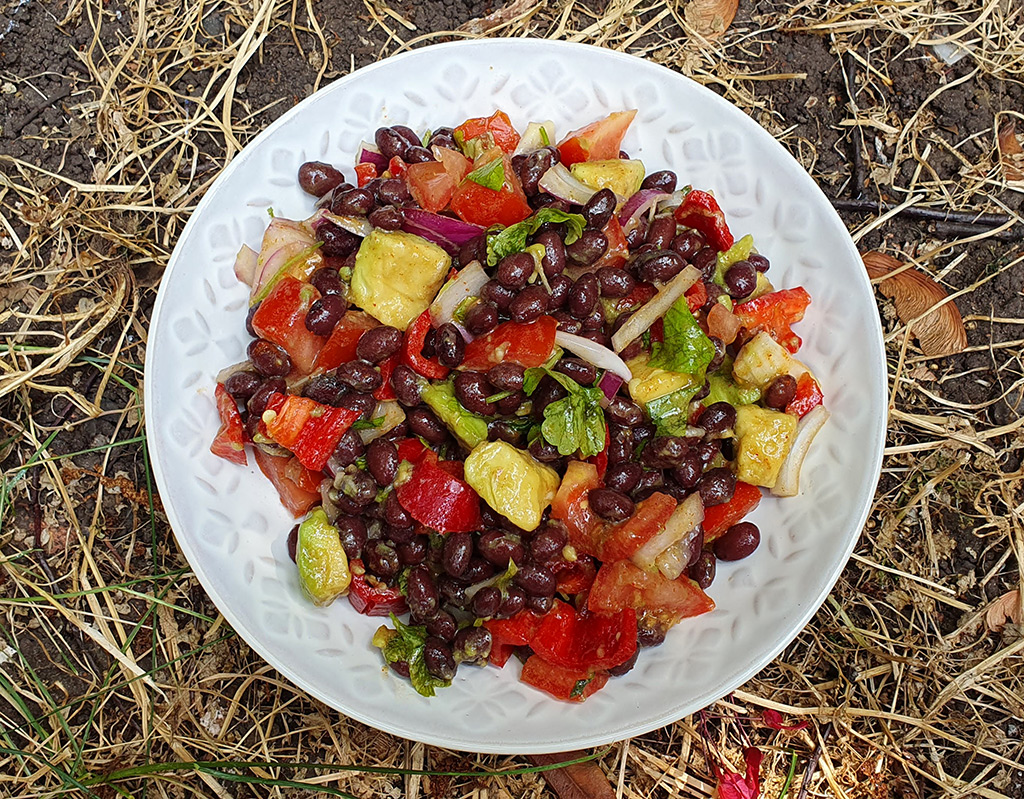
(579, 370)
(478, 569)
(414, 551)
(473, 250)
(443, 625)
(350, 447)
(326, 281)
(337, 242)
(648, 635)
(293, 542)
(494, 292)
(615, 282)
(625, 412)
(529, 304)
(242, 385)
(248, 318)
(486, 602)
(664, 452)
(584, 296)
(268, 359)
(780, 392)
(708, 449)
(391, 143)
(381, 559)
(636, 235)
(382, 461)
(759, 262)
(687, 472)
(566, 322)
(423, 422)
(661, 266)
(663, 180)
(706, 260)
(590, 246)
(418, 155)
(738, 541)
(438, 658)
(535, 580)
(318, 178)
(450, 345)
(387, 218)
(623, 476)
(688, 244)
(719, 356)
(533, 167)
(515, 269)
(548, 542)
(481, 318)
(359, 376)
(717, 486)
(499, 548)
(544, 451)
(553, 260)
(500, 430)
(609, 504)
(506, 376)
(421, 593)
(507, 406)
(661, 232)
(740, 279)
(547, 391)
(594, 321)
(626, 667)
(452, 590)
(324, 314)
(393, 191)
(457, 553)
(408, 134)
(543, 200)
(599, 208)
(406, 386)
(352, 534)
(472, 390)
(378, 344)
(717, 417)
(702, 392)
(354, 202)
(472, 645)
(325, 389)
(512, 603)
(620, 447)
(649, 480)
(540, 604)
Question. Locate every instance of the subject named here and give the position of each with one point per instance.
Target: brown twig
(34, 114)
(812, 764)
(956, 223)
(857, 148)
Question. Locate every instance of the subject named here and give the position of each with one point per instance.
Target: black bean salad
(522, 394)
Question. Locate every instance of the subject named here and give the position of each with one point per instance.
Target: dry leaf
(940, 332)
(578, 781)
(1006, 607)
(499, 17)
(1011, 154)
(710, 18)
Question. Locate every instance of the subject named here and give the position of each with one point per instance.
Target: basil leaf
(513, 239)
(685, 349)
(491, 175)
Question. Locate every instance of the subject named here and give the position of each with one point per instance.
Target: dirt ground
(116, 670)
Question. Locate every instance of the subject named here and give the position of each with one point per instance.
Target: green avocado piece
(469, 428)
(323, 565)
(618, 174)
(725, 390)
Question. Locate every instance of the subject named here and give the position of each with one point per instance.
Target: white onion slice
(655, 308)
(466, 284)
(684, 519)
(674, 199)
(227, 371)
(601, 357)
(788, 482)
(359, 225)
(245, 264)
(393, 416)
(560, 182)
(532, 139)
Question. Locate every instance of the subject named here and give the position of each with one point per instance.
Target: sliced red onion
(274, 262)
(466, 284)
(369, 154)
(610, 383)
(245, 264)
(788, 482)
(635, 206)
(444, 231)
(601, 357)
(656, 307)
(532, 138)
(560, 182)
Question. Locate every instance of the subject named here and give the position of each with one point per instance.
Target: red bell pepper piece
(411, 449)
(310, 430)
(497, 124)
(701, 211)
(600, 460)
(387, 368)
(526, 344)
(296, 485)
(576, 577)
(808, 396)
(281, 318)
(438, 499)
(374, 599)
(696, 296)
(397, 167)
(517, 630)
(412, 350)
(365, 172)
(574, 685)
(500, 653)
(593, 641)
(774, 313)
(719, 518)
(229, 443)
(341, 346)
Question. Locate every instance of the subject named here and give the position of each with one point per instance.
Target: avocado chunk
(649, 382)
(512, 482)
(323, 565)
(396, 276)
(722, 389)
(469, 428)
(618, 174)
(764, 438)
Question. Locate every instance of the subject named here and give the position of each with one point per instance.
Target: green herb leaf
(513, 239)
(576, 422)
(368, 424)
(579, 687)
(491, 175)
(544, 138)
(405, 642)
(686, 349)
(671, 413)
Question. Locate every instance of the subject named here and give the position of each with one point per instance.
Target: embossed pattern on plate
(232, 529)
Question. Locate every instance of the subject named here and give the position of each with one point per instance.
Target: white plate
(232, 529)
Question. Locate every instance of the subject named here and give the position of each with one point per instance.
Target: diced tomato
(577, 576)
(641, 294)
(310, 430)
(438, 499)
(482, 206)
(387, 368)
(372, 599)
(598, 141)
(618, 248)
(700, 210)
(696, 296)
(562, 683)
(620, 541)
(497, 124)
(527, 344)
(622, 584)
(775, 312)
(808, 396)
(411, 450)
(593, 641)
(281, 318)
(431, 185)
(294, 497)
(304, 478)
(719, 518)
(500, 653)
(397, 167)
(412, 350)
(229, 443)
(341, 346)
(517, 630)
(571, 507)
(365, 172)
(455, 163)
